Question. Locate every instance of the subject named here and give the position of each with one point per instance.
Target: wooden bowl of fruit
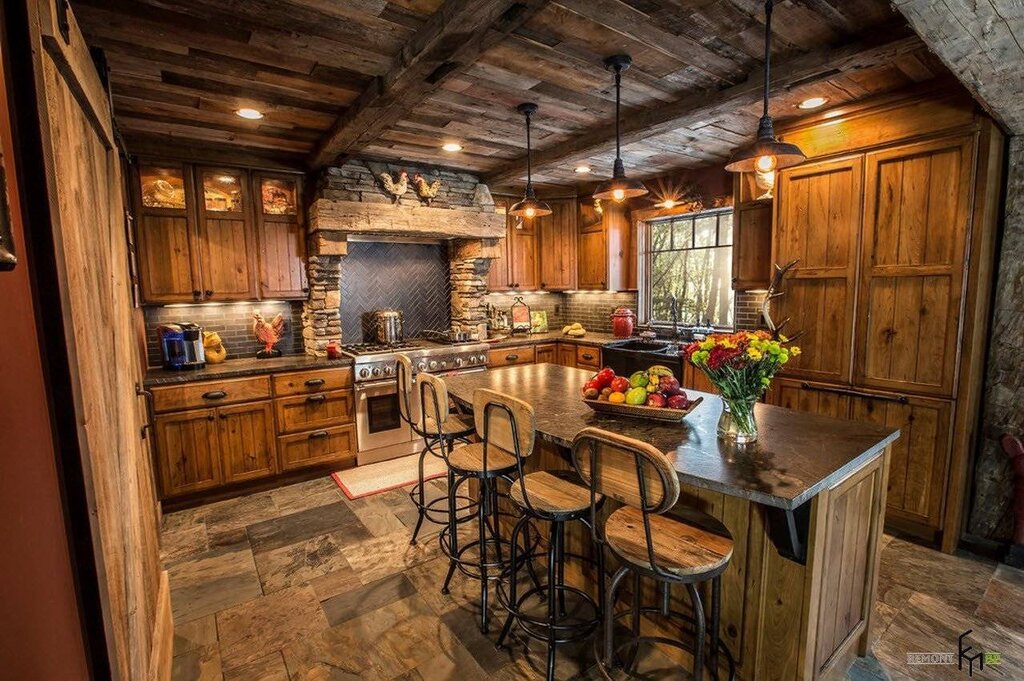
(651, 394)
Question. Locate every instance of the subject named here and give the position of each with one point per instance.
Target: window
(690, 257)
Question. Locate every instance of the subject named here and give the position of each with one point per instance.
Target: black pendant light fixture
(530, 206)
(767, 153)
(619, 187)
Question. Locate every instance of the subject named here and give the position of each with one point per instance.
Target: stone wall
(1003, 400)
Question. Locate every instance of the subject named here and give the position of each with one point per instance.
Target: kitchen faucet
(675, 315)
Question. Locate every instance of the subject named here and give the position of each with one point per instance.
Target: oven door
(381, 433)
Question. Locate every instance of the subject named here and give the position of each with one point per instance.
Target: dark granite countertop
(592, 338)
(796, 456)
(235, 368)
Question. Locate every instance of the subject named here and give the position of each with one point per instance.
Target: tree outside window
(690, 256)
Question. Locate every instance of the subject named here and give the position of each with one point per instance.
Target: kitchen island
(805, 506)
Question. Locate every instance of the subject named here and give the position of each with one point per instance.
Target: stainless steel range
(380, 431)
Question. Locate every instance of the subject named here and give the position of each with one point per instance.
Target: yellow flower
(794, 351)
(754, 354)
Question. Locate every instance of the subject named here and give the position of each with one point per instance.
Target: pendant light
(619, 187)
(530, 206)
(767, 153)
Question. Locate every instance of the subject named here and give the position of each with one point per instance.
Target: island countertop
(796, 456)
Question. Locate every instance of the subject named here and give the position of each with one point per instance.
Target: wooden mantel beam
(637, 126)
(448, 43)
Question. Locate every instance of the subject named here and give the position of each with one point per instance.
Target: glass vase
(737, 423)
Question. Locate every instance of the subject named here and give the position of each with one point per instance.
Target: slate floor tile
(234, 514)
(202, 664)
(305, 495)
(334, 583)
(367, 599)
(1003, 602)
(296, 527)
(195, 634)
(182, 543)
(212, 581)
(378, 557)
(268, 668)
(957, 580)
(300, 562)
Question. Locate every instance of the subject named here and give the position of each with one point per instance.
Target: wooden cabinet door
(919, 466)
(336, 446)
(592, 260)
(524, 263)
(280, 236)
(557, 247)
(545, 352)
(164, 233)
(917, 219)
(588, 357)
(226, 237)
(695, 379)
(498, 271)
(809, 397)
(188, 449)
(818, 222)
(567, 355)
(247, 445)
(308, 412)
(752, 246)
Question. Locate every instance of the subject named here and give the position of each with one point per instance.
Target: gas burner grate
(446, 337)
(374, 348)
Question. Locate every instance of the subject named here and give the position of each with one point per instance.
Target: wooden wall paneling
(917, 219)
(84, 188)
(557, 246)
(190, 451)
(227, 242)
(281, 244)
(247, 441)
(818, 215)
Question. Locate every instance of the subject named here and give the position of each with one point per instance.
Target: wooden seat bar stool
(506, 428)
(684, 547)
(556, 498)
(439, 429)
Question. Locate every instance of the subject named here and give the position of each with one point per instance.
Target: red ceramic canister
(623, 322)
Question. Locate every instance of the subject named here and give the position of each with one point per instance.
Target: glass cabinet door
(278, 196)
(222, 191)
(162, 186)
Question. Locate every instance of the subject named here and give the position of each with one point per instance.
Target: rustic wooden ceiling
(395, 79)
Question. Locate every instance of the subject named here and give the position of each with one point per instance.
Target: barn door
(87, 212)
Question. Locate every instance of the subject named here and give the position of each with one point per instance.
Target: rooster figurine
(427, 191)
(268, 334)
(396, 189)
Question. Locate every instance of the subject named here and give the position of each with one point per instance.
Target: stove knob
(459, 362)
(444, 365)
(483, 359)
(376, 371)
(364, 373)
(433, 365)
(388, 371)
(422, 366)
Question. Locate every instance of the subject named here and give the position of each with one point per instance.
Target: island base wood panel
(782, 620)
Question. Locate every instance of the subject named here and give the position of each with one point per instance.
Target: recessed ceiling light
(451, 146)
(668, 203)
(581, 169)
(251, 114)
(812, 103)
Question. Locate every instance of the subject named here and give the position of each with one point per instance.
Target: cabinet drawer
(328, 445)
(210, 394)
(503, 357)
(309, 412)
(307, 382)
(588, 357)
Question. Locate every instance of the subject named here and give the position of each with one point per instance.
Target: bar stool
(554, 497)
(688, 547)
(506, 426)
(439, 429)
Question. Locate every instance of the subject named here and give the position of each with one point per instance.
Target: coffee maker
(181, 346)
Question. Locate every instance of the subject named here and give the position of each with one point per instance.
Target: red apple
(678, 402)
(656, 400)
(604, 377)
(620, 384)
(669, 385)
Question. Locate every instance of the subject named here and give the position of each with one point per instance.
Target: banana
(660, 370)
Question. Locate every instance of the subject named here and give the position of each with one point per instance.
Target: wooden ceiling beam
(451, 40)
(702, 107)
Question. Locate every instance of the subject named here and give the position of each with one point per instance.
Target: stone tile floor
(301, 584)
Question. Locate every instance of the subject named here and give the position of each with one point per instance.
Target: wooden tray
(642, 412)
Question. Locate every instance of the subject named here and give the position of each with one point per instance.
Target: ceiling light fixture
(812, 103)
(668, 203)
(581, 169)
(451, 146)
(767, 153)
(530, 206)
(251, 114)
(619, 187)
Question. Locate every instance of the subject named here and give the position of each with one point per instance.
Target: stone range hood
(351, 202)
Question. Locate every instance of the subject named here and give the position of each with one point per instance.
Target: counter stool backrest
(433, 402)
(501, 419)
(403, 370)
(627, 470)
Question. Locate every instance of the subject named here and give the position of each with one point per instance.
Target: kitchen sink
(642, 346)
(627, 356)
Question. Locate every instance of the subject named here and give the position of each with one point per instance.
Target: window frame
(644, 261)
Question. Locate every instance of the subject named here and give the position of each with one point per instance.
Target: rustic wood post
(1014, 449)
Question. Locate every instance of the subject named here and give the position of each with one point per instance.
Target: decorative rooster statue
(268, 334)
(427, 191)
(396, 189)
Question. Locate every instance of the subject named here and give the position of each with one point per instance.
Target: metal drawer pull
(316, 398)
(315, 382)
(511, 358)
(215, 395)
(317, 434)
(587, 356)
(901, 399)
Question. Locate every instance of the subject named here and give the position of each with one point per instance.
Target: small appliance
(181, 346)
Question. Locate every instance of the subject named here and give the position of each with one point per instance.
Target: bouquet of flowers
(741, 366)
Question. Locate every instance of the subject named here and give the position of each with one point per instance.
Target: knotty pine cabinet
(242, 240)
(894, 221)
(751, 236)
(538, 254)
(606, 259)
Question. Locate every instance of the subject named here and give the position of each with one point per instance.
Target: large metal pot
(387, 326)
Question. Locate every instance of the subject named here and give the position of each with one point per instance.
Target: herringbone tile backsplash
(412, 278)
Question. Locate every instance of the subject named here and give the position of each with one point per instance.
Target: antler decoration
(773, 293)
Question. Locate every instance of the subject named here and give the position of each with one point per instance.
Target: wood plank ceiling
(396, 79)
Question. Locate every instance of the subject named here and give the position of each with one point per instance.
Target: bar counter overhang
(805, 506)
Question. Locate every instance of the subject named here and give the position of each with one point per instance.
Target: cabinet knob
(511, 358)
(209, 293)
(587, 356)
(543, 285)
(316, 398)
(196, 294)
(314, 382)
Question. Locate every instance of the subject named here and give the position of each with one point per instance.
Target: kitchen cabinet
(497, 273)
(606, 246)
(510, 356)
(208, 234)
(536, 254)
(210, 434)
(557, 246)
(523, 255)
(695, 379)
(546, 352)
(567, 354)
(588, 357)
(809, 397)
(751, 236)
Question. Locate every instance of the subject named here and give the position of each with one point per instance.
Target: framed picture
(520, 315)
